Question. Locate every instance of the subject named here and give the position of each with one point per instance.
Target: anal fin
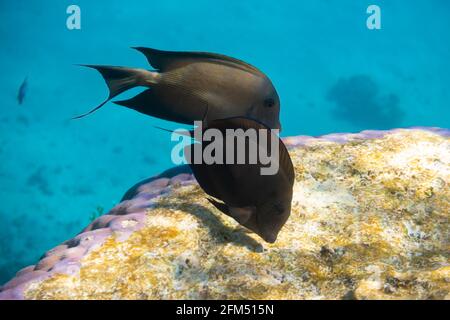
(147, 102)
(219, 205)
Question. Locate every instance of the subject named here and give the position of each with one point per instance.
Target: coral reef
(370, 220)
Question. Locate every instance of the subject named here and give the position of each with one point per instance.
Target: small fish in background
(22, 91)
(261, 203)
(187, 84)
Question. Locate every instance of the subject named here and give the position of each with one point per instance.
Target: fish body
(189, 86)
(261, 203)
(22, 91)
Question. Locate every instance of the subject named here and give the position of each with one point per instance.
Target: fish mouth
(269, 237)
(267, 234)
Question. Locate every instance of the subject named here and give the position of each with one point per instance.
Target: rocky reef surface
(370, 220)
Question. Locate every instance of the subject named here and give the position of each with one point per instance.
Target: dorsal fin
(162, 60)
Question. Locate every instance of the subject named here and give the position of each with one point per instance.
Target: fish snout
(269, 237)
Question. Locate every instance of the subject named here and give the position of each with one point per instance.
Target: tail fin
(120, 79)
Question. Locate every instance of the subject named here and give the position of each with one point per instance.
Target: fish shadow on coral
(217, 230)
(358, 101)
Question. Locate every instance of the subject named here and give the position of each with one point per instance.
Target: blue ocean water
(332, 73)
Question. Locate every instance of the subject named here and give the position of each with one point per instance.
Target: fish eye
(269, 102)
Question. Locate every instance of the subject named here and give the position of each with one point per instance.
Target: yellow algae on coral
(370, 220)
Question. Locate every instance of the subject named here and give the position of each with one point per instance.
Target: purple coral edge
(297, 141)
(122, 220)
(129, 216)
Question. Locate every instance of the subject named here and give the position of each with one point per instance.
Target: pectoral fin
(242, 214)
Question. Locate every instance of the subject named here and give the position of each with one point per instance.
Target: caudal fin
(118, 80)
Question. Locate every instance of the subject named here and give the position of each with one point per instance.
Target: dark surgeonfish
(22, 91)
(187, 85)
(261, 203)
